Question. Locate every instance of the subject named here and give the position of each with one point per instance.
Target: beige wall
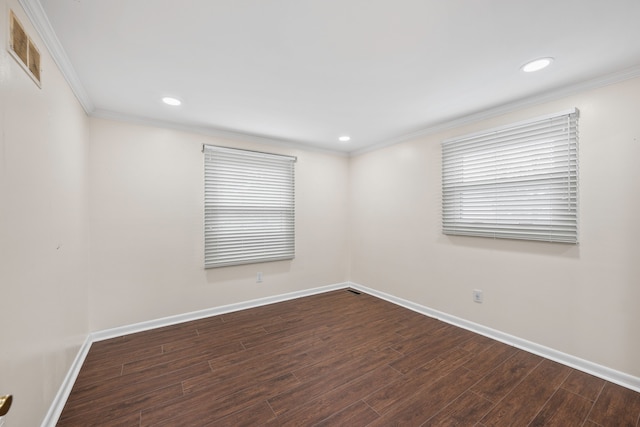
(581, 300)
(101, 226)
(43, 231)
(146, 209)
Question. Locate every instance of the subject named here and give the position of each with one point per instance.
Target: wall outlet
(259, 277)
(477, 296)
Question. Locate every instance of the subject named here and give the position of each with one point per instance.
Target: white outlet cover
(477, 295)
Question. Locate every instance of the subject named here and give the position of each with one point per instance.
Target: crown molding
(40, 21)
(212, 131)
(552, 95)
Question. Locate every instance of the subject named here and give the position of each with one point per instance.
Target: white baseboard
(215, 311)
(608, 374)
(55, 410)
(51, 418)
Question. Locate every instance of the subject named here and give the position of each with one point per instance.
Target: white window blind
(249, 207)
(516, 182)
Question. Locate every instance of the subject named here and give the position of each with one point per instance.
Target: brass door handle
(5, 404)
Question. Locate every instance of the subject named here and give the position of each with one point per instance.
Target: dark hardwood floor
(331, 360)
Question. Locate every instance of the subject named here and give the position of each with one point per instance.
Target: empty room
(319, 212)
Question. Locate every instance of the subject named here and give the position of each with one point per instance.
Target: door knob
(5, 404)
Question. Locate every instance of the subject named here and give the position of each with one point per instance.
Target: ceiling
(308, 71)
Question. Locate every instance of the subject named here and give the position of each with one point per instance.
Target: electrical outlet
(477, 296)
(259, 277)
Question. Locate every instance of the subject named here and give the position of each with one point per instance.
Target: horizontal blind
(249, 207)
(515, 182)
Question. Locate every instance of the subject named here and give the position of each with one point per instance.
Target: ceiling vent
(23, 50)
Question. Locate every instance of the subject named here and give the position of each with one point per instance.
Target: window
(517, 182)
(249, 207)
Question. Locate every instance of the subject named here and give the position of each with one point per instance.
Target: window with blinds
(515, 182)
(249, 207)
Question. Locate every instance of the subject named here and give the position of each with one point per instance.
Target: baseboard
(608, 374)
(215, 311)
(600, 371)
(53, 414)
(55, 410)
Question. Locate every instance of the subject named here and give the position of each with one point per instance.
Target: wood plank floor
(331, 360)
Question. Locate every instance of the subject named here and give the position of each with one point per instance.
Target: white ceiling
(308, 71)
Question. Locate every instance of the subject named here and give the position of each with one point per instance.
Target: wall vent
(23, 50)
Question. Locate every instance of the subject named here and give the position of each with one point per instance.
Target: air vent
(23, 50)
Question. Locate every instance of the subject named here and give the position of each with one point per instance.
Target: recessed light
(171, 101)
(345, 138)
(536, 65)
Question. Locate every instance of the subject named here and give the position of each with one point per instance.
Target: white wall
(581, 300)
(101, 226)
(43, 230)
(146, 209)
